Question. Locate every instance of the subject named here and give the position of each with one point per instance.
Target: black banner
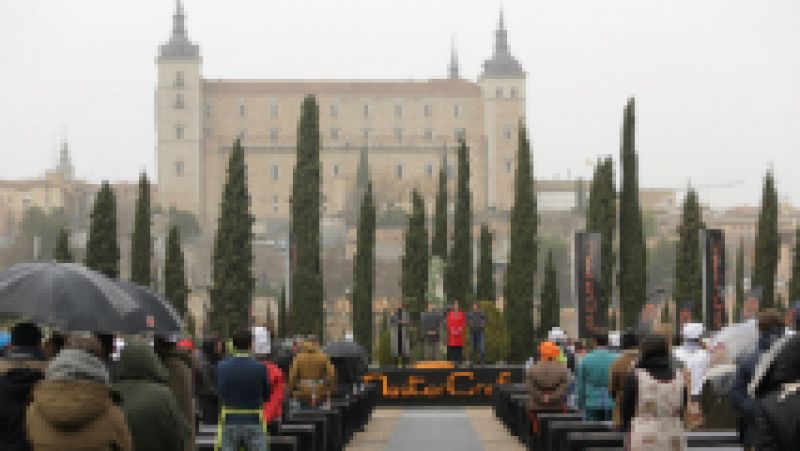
(587, 281)
(713, 242)
(437, 386)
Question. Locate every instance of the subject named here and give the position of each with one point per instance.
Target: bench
(558, 430)
(539, 441)
(275, 443)
(580, 441)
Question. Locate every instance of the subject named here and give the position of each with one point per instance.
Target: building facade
(408, 128)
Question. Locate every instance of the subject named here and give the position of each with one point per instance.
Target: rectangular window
(460, 133)
(428, 110)
(365, 133)
(179, 132)
(498, 93)
(428, 133)
(276, 172)
(398, 134)
(398, 111)
(508, 132)
(273, 110)
(242, 110)
(178, 101)
(366, 110)
(513, 94)
(273, 134)
(334, 110)
(429, 170)
(274, 198)
(509, 166)
(336, 170)
(207, 132)
(209, 109)
(457, 110)
(398, 171)
(450, 171)
(179, 79)
(242, 134)
(334, 133)
(179, 168)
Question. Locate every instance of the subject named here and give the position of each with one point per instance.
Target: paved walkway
(434, 429)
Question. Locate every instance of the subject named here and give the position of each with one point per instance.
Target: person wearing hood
(21, 367)
(547, 380)
(619, 371)
(770, 329)
(654, 399)
(156, 423)
(72, 407)
(180, 368)
(312, 376)
(776, 389)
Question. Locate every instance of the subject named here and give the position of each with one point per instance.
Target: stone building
(409, 129)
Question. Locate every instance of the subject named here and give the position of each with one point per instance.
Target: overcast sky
(717, 82)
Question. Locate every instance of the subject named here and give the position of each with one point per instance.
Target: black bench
(540, 440)
(558, 430)
(304, 433)
(580, 441)
(277, 443)
(321, 428)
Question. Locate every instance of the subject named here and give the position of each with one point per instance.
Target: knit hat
(549, 351)
(72, 364)
(692, 331)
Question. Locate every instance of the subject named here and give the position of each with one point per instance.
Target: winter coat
(273, 407)
(593, 379)
(76, 415)
(618, 374)
(715, 400)
(456, 323)
(156, 423)
(20, 370)
(776, 388)
(740, 399)
(311, 365)
(179, 365)
(547, 382)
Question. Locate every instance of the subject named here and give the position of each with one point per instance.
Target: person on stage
(399, 326)
(456, 322)
(477, 327)
(431, 322)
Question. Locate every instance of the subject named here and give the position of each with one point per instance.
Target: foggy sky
(717, 82)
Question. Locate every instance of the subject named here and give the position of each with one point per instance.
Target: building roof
(179, 46)
(422, 88)
(502, 64)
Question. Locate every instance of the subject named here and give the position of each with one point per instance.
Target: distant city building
(409, 128)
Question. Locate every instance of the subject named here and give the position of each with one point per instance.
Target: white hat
(693, 331)
(614, 339)
(348, 336)
(556, 335)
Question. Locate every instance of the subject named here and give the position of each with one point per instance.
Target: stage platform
(432, 386)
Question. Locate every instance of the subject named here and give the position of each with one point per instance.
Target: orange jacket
(273, 408)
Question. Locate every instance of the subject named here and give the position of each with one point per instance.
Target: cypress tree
(282, 332)
(486, 289)
(632, 253)
(175, 289)
(62, 252)
(688, 272)
(102, 248)
(232, 285)
(739, 281)
(439, 242)
(364, 273)
(461, 287)
(550, 310)
(794, 283)
(140, 241)
(521, 269)
(415, 258)
(306, 312)
(602, 218)
(767, 242)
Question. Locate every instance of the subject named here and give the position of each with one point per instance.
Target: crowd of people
(655, 387)
(90, 391)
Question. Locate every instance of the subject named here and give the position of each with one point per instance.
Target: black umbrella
(345, 349)
(69, 296)
(155, 313)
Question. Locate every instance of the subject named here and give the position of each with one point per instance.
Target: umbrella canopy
(69, 296)
(349, 359)
(345, 349)
(155, 313)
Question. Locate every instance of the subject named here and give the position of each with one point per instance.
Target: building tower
(503, 86)
(452, 68)
(178, 120)
(65, 169)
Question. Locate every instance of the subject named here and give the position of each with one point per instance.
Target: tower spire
(179, 45)
(452, 68)
(178, 20)
(502, 63)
